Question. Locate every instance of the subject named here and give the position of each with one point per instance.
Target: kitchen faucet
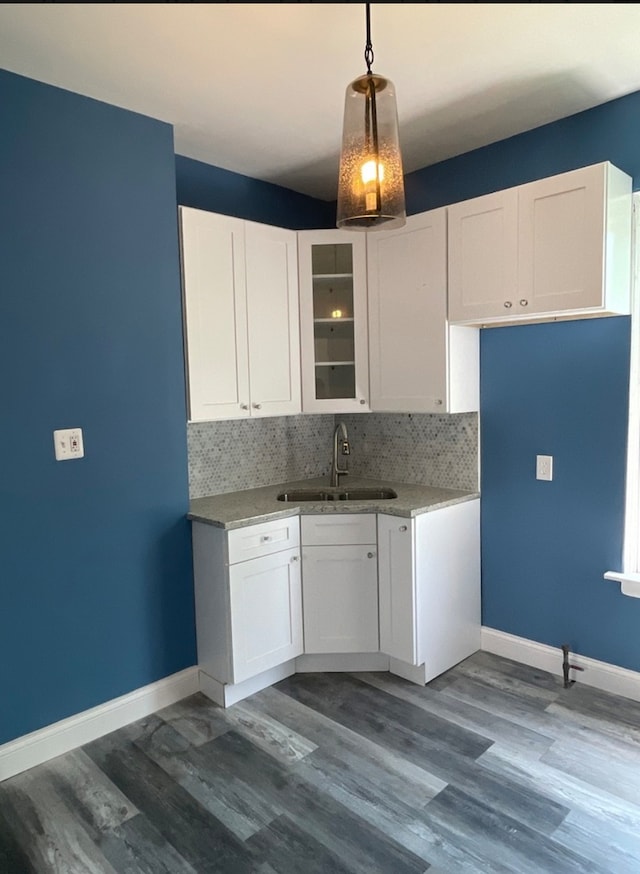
(339, 436)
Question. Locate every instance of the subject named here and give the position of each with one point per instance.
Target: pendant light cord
(368, 49)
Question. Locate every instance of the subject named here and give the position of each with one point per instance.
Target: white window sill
(629, 583)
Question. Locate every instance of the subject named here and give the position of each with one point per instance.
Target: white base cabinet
(372, 592)
(429, 587)
(340, 584)
(248, 596)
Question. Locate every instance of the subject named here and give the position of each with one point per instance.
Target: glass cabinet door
(333, 336)
(332, 340)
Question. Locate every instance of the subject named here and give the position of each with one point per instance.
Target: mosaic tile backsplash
(433, 450)
(229, 456)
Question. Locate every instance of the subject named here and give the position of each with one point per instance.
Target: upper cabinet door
(568, 226)
(273, 327)
(417, 363)
(483, 256)
(333, 321)
(215, 315)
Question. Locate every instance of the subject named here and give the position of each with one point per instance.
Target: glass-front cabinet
(333, 320)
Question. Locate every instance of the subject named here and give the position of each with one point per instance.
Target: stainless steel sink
(365, 495)
(319, 495)
(297, 495)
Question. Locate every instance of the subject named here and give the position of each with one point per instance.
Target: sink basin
(319, 495)
(365, 495)
(296, 495)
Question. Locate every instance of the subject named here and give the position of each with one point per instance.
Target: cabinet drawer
(333, 530)
(263, 539)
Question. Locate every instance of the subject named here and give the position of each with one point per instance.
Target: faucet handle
(346, 448)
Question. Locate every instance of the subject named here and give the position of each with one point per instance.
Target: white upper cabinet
(273, 321)
(418, 362)
(215, 315)
(483, 256)
(575, 242)
(240, 294)
(333, 321)
(556, 248)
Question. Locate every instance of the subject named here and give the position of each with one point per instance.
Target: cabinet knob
(438, 402)
(362, 401)
(257, 406)
(402, 528)
(244, 406)
(295, 558)
(371, 555)
(523, 302)
(508, 304)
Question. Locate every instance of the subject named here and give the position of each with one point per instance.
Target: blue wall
(96, 578)
(211, 188)
(609, 132)
(559, 389)
(96, 574)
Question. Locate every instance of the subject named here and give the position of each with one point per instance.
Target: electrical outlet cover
(544, 467)
(68, 444)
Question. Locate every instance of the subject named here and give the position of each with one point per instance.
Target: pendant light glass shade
(370, 184)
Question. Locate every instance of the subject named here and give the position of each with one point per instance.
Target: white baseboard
(61, 737)
(68, 734)
(600, 675)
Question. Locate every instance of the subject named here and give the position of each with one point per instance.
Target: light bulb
(368, 172)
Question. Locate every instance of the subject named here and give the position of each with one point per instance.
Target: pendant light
(371, 184)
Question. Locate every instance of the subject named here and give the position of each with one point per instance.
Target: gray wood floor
(493, 767)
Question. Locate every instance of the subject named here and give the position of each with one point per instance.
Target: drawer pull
(402, 528)
(371, 555)
(523, 302)
(265, 538)
(508, 304)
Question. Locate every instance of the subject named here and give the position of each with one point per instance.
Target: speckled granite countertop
(237, 509)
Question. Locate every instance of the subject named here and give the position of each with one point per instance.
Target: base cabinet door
(266, 613)
(448, 570)
(340, 594)
(429, 571)
(397, 589)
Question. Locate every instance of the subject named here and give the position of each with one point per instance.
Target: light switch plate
(68, 444)
(544, 467)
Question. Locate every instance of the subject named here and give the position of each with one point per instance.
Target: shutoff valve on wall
(68, 444)
(544, 467)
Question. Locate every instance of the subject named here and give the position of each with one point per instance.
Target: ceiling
(259, 88)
